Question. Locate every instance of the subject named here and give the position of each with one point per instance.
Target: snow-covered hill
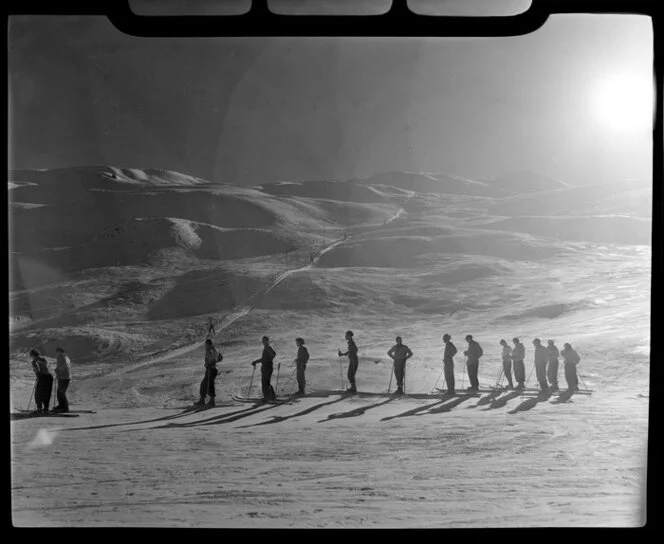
(123, 267)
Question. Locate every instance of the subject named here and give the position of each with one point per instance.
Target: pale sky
(249, 110)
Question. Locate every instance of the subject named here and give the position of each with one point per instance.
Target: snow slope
(410, 263)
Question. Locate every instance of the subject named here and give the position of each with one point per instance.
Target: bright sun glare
(625, 102)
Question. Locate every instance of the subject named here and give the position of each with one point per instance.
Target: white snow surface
(131, 307)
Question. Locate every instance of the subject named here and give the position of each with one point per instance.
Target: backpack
(480, 351)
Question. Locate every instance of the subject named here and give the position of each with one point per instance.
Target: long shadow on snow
(414, 411)
(155, 420)
(356, 412)
(488, 399)
(257, 408)
(279, 419)
(448, 406)
(530, 403)
(502, 401)
(443, 406)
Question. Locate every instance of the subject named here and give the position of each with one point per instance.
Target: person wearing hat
(540, 365)
(448, 362)
(212, 357)
(570, 360)
(353, 360)
(301, 364)
(552, 355)
(44, 384)
(518, 356)
(267, 367)
(507, 363)
(399, 353)
(474, 352)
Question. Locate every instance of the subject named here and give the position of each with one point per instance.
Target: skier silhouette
(211, 327)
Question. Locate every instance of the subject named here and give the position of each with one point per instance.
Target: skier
(552, 355)
(540, 365)
(311, 258)
(301, 362)
(44, 383)
(212, 357)
(399, 353)
(507, 363)
(211, 330)
(353, 361)
(448, 362)
(63, 374)
(518, 355)
(266, 360)
(474, 352)
(571, 359)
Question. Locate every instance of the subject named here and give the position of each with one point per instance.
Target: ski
(465, 391)
(198, 407)
(56, 413)
(257, 400)
(537, 392)
(30, 415)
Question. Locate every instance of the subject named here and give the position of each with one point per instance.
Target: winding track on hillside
(246, 306)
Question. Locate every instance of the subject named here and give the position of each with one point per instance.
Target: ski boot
(210, 403)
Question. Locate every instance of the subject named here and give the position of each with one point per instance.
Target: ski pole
(32, 395)
(341, 374)
(251, 381)
(530, 373)
(463, 375)
(54, 393)
(581, 378)
(391, 374)
(290, 382)
(293, 380)
(439, 376)
(404, 378)
(276, 388)
(500, 377)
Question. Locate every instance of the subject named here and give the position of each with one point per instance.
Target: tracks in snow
(246, 306)
(232, 317)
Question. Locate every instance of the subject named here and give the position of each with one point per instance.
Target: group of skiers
(546, 365)
(212, 357)
(44, 382)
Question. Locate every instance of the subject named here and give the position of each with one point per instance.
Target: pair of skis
(27, 414)
(533, 391)
(280, 399)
